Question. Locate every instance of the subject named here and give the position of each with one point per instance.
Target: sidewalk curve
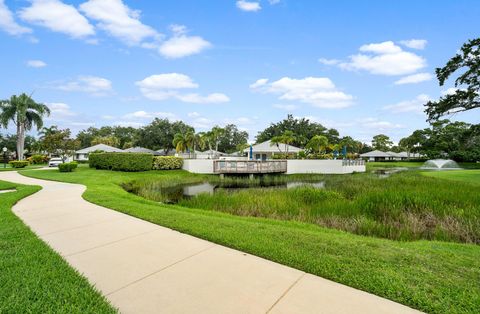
(145, 268)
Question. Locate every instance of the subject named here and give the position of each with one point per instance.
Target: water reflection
(176, 193)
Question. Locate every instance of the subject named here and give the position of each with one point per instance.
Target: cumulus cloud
(377, 124)
(249, 6)
(414, 78)
(150, 115)
(36, 63)
(182, 45)
(415, 105)
(384, 58)
(169, 85)
(58, 17)
(317, 91)
(60, 111)
(97, 86)
(119, 21)
(8, 24)
(419, 44)
(286, 107)
(329, 61)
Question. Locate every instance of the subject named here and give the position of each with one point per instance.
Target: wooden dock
(249, 166)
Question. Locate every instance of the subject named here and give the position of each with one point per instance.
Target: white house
(376, 155)
(82, 154)
(266, 150)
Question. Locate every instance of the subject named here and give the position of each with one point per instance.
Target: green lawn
(33, 278)
(469, 176)
(9, 168)
(432, 276)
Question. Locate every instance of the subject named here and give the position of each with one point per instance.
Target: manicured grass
(393, 164)
(33, 278)
(9, 168)
(469, 176)
(432, 276)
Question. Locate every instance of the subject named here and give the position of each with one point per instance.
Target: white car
(54, 162)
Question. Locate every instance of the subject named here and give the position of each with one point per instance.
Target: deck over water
(249, 166)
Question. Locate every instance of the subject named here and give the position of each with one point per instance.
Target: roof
(376, 153)
(210, 152)
(394, 154)
(141, 150)
(102, 147)
(268, 147)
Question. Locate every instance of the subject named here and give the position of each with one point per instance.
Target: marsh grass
(405, 206)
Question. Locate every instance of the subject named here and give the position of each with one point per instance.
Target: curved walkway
(145, 268)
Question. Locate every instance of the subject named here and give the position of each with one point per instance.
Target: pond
(176, 193)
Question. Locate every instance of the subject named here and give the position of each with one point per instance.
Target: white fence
(206, 166)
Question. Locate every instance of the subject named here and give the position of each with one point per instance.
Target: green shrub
(67, 166)
(167, 162)
(18, 163)
(38, 159)
(121, 161)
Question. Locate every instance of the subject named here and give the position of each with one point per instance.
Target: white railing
(249, 166)
(353, 162)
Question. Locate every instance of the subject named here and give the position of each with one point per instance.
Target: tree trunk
(20, 140)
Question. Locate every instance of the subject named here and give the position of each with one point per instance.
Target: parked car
(54, 162)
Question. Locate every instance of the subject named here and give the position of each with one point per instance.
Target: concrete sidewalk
(144, 268)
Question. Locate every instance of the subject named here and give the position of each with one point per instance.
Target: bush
(18, 163)
(67, 166)
(37, 159)
(167, 163)
(121, 161)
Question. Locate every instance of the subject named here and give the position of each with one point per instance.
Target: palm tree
(46, 131)
(215, 134)
(25, 113)
(183, 142)
(318, 143)
(288, 138)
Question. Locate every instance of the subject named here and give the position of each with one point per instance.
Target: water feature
(440, 164)
(173, 194)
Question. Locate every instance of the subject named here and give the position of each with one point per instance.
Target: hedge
(167, 163)
(67, 166)
(121, 161)
(18, 163)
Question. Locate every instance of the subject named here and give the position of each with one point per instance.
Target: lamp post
(4, 157)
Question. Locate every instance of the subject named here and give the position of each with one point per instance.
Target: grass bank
(432, 276)
(469, 176)
(404, 206)
(29, 167)
(34, 279)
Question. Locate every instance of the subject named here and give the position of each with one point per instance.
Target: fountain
(440, 164)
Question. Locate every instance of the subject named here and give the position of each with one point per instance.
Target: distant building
(82, 154)
(267, 150)
(378, 155)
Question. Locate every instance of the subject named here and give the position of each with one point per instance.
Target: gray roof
(268, 147)
(211, 152)
(141, 150)
(102, 147)
(376, 153)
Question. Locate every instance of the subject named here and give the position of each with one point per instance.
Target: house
(209, 154)
(376, 155)
(141, 150)
(82, 154)
(267, 150)
(170, 152)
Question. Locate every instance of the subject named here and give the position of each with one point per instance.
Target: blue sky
(363, 67)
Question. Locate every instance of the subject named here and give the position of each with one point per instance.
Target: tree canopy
(467, 93)
(381, 142)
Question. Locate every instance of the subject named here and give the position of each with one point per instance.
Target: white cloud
(329, 61)
(317, 91)
(149, 115)
(97, 86)
(36, 63)
(58, 17)
(377, 124)
(450, 91)
(202, 123)
(384, 58)
(285, 107)
(249, 6)
(419, 44)
(60, 111)
(121, 22)
(414, 78)
(209, 99)
(415, 105)
(7, 22)
(181, 45)
(169, 85)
